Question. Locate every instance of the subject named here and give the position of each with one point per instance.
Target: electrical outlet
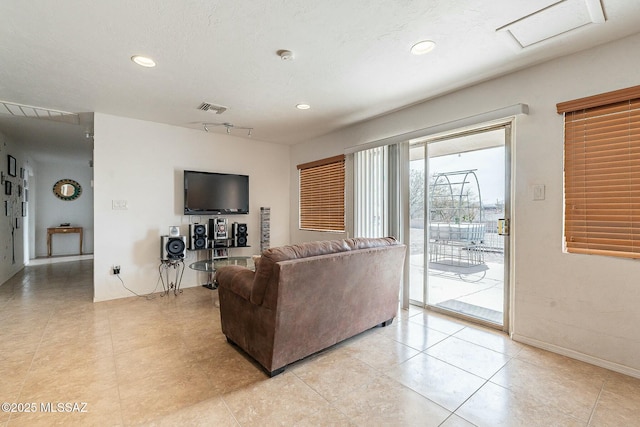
(119, 205)
(116, 269)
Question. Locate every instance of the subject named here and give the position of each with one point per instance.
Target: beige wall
(143, 163)
(582, 306)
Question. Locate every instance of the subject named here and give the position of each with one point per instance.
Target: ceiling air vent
(30, 111)
(206, 106)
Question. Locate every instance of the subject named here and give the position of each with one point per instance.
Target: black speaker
(173, 248)
(239, 235)
(198, 236)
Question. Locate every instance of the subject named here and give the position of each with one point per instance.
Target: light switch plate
(538, 191)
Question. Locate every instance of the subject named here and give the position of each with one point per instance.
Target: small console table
(62, 230)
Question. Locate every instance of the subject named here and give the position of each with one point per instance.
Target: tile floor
(164, 361)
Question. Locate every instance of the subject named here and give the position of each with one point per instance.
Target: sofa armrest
(236, 279)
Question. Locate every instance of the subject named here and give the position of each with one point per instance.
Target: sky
(490, 170)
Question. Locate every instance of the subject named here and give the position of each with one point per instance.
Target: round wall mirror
(67, 189)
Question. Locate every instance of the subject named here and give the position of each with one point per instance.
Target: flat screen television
(210, 193)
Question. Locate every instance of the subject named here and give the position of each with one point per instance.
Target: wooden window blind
(322, 194)
(602, 174)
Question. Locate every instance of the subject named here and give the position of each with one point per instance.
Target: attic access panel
(554, 20)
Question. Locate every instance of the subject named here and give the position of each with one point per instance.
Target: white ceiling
(352, 59)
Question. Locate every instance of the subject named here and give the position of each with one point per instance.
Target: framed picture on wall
(7, 188)
(12, 165)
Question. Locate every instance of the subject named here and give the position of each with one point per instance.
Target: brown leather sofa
(304, 298)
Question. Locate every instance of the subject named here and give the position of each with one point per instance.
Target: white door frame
(508, 267)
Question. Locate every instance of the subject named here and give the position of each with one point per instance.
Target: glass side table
(209, 266)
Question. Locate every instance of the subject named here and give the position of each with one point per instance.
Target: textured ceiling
(352, 59)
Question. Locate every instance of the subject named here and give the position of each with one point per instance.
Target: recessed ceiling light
(303, 106)
(144, 61)
(425, 46)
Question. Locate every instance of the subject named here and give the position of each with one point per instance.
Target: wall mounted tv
(209, 193)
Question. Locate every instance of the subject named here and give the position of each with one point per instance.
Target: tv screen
(208, 193)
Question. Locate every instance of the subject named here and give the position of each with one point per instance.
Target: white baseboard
(58, 259)
(578, 356)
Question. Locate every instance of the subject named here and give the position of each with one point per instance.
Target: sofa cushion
(306, 250)
(365, 243)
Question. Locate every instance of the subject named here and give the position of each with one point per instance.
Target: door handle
(503, 226)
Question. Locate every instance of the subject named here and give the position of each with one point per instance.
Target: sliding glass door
(458, 192)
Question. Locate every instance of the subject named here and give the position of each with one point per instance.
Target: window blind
(602, 174)
(371, 179)
(322, 194)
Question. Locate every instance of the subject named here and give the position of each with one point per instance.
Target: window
(602, 174)
(322, 194)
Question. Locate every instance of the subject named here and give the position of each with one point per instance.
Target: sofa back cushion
(266, 273)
